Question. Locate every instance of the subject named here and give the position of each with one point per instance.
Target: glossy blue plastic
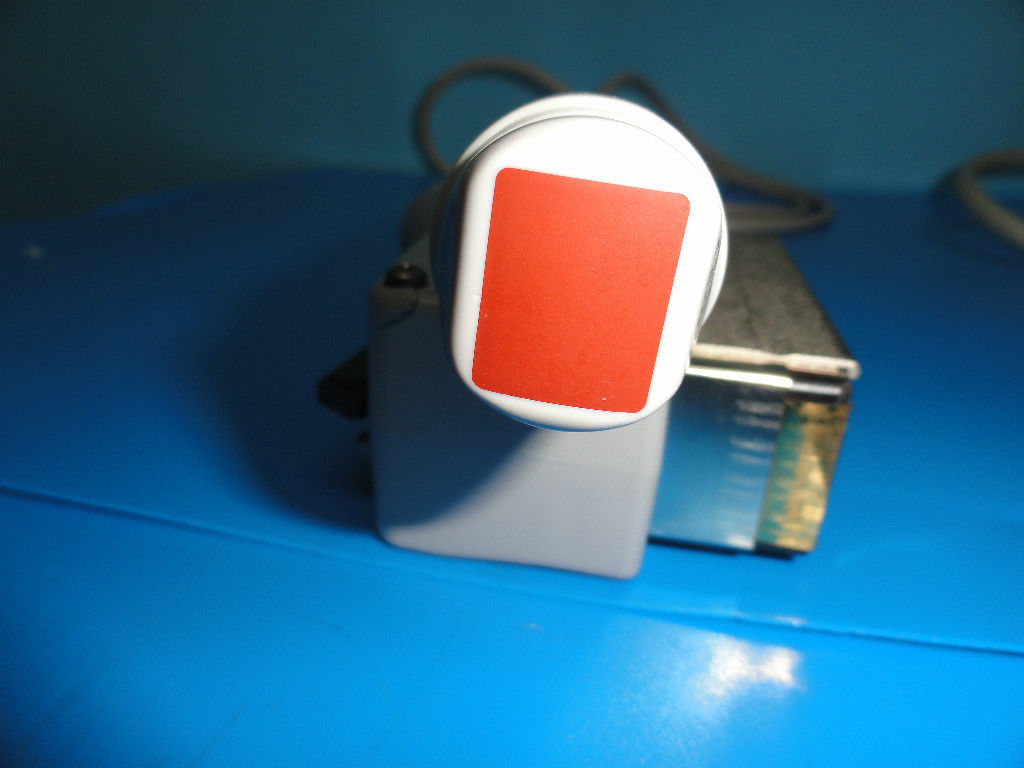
(190, 574)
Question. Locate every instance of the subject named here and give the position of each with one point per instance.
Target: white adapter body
(577, 248)
(580, 245)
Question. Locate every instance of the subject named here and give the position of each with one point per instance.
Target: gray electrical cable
(994, 216)
(799, 210)
(496, 65)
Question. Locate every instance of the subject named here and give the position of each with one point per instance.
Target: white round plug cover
(580, 246)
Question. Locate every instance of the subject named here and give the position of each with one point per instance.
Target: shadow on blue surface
(264, 373)
(955, 230)
(263, 366)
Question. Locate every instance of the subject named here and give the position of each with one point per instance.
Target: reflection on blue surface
(720, 679)
(736, 667)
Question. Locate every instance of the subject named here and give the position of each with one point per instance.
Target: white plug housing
(580, 246)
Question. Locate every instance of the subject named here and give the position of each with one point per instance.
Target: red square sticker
(576, 286)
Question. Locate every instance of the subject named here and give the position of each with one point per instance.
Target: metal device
(755, 433)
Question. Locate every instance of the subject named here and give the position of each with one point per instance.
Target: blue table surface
(190, 574)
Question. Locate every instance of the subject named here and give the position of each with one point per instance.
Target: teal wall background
(103, 99)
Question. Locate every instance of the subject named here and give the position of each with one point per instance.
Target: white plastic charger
(623, 148)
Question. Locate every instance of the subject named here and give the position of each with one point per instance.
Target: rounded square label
(577, 281)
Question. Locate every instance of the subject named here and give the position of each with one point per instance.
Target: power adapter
(526, 352)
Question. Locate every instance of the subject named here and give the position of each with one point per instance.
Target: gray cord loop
(992, 215)
(505, 67)
(801, 209)
(797, 210)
